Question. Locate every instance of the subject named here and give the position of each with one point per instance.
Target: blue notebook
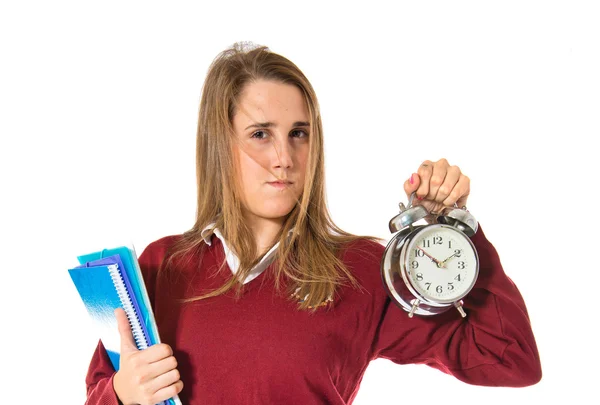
(111, 279)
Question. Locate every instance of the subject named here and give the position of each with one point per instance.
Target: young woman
(265, 299)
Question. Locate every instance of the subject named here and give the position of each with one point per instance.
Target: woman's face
(272, 127)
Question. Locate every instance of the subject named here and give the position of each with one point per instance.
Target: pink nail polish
(411, 179)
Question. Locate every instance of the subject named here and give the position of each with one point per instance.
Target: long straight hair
(307, 259)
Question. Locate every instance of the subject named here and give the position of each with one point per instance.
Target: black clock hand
(443, 262)
(433, 259)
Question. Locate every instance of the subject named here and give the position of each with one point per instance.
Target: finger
(412, 184)
(451, 178)
(460, 193)
(425, 171)
(127, 342)
(161, 367)
(157, 352)
(164, 380)
(168, 392)
(438, 175)
(147, 373)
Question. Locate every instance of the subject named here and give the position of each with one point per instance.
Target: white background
(98, 105)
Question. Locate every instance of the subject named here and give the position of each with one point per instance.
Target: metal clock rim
(404, 268)
(387, 263)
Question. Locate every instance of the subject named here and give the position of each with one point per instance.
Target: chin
(276, 211)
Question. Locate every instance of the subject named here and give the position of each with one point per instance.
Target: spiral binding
(134, 320)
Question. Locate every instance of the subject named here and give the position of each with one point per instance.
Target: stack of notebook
(110, 279)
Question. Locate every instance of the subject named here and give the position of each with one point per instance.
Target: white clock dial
(441, 263)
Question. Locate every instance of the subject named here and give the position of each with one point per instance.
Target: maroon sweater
(261, 349)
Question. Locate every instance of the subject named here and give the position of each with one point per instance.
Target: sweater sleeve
(99, 379)
(493, 346)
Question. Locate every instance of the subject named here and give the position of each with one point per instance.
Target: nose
(283, 156)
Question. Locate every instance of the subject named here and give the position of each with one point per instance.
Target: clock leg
(414, 307)
(458, 305)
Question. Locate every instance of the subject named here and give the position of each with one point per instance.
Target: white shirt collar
(232, 260)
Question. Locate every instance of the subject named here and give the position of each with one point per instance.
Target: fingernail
(411, 179)
(419, 198)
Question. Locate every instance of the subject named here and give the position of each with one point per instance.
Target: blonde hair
(308, 258)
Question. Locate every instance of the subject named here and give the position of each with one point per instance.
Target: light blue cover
(95, 286)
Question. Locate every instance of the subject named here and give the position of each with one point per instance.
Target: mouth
(280, 183)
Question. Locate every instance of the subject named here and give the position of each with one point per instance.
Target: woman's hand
(145, 377)
(438, 185)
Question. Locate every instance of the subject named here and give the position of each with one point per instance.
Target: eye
(299, 133)
(259, 135)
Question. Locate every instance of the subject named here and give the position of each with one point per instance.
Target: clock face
(441, 263)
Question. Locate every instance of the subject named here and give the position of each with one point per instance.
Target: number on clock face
(441, 263)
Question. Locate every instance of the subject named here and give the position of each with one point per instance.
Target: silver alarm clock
(428, 269)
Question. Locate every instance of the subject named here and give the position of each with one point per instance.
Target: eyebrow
(272, 124)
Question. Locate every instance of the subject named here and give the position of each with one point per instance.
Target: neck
(265, 230)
